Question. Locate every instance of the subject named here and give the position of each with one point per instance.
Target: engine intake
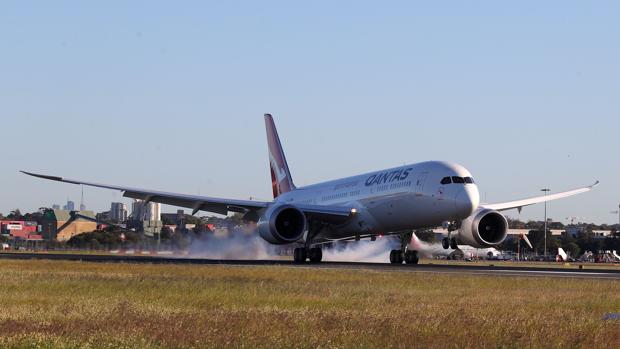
(484, 228)
(282, 224)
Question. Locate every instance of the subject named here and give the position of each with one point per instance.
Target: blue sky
(170, 95)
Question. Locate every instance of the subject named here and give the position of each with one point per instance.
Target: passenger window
(469, 180)
(456, 179)
(446, 180)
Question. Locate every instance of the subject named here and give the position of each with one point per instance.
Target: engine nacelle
(282, 224)
(484, 228)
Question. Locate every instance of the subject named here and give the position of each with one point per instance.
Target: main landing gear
(301, 254)
(404, 255)
(409, 257)
(314, 254)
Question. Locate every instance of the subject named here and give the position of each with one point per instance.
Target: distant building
(142, 211)
(59, 225)
(70, 206)
(146, 217)
(82, 207)
(575, 230)
(104, 216)
(55, 207)
(20, 230)
(118, 212)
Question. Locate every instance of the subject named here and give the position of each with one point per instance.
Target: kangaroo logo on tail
(281, 180)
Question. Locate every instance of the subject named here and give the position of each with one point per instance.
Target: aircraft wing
(518, 204)
(197, 203)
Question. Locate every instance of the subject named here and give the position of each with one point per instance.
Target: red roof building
(20, 230)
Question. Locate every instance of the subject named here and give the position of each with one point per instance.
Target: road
(589, 273)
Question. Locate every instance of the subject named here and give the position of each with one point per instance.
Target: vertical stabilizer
(281, 180)
(562, 256)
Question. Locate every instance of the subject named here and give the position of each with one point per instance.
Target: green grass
(76, 305)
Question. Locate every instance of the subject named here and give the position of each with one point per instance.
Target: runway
(429, 267)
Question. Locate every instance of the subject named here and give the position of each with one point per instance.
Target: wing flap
(518, 204)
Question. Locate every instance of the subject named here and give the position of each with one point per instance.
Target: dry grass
(49, 304)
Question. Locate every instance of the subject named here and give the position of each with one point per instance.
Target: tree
(556, 225)
(166, 233)
(588, 242)
(515, 223)
(236, 218)
(537, 238)
(573, 249)
(15, 215)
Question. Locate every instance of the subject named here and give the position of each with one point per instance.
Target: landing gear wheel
(299, 255)
(445, 243)
(396, 257)
(315, 255)
(453, 244)
(411, 257)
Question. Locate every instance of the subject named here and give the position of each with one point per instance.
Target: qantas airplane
(391, 201)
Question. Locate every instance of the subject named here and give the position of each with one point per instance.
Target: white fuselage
(401, 198)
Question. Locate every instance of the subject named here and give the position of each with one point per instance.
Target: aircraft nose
(467, 200)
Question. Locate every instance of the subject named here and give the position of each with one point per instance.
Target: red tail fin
(281, 180)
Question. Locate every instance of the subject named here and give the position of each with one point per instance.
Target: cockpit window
(456, 179)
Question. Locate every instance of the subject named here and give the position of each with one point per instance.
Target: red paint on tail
(281, 180)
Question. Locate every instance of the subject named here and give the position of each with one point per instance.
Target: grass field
(73, 304)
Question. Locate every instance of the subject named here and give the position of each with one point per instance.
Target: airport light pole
(546, 190)
(618, 213)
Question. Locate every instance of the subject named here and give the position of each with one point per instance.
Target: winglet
(52, 178)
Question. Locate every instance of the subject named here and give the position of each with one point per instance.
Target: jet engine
(282, 224)
(484, 228)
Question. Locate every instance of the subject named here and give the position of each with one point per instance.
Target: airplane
(404, 198)
(562, 256)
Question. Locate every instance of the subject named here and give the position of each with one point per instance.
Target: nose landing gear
(447, 243)
(450, 242)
